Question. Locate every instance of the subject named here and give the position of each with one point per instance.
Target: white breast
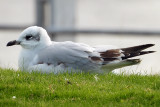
(25, 58)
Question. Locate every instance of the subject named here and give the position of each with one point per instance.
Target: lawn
(24, 89)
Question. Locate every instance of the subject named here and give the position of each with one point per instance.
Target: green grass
(77, 90)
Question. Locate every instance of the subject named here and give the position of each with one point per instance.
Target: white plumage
(41, 54)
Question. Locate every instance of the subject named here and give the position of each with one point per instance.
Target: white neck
(27, 56)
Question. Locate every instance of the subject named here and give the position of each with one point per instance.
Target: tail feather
(111, 66)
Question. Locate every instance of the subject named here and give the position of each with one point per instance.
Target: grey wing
(71, 55)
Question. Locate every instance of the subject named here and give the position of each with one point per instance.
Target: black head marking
(37, 38)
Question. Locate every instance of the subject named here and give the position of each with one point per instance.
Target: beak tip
(11, 43)
(8, 44)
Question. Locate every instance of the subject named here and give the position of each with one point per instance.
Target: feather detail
(136, 51)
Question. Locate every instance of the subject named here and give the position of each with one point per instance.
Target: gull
(41, 54)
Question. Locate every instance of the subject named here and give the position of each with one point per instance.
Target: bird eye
(28, 37)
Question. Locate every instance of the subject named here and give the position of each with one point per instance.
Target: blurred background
(95, 22)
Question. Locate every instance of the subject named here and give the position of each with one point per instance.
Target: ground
(77, 89)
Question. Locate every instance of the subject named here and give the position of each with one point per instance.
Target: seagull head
(32, 37)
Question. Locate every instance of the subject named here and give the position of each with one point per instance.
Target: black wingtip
(137, 48)
(151, 51)
(146, 52)
(149, 45)
(145, 46)
(136, 51)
